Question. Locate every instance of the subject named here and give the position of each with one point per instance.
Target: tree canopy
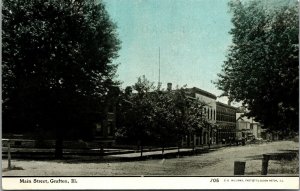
(261, 69)
(57, 63)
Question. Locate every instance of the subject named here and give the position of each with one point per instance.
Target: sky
(192, 36)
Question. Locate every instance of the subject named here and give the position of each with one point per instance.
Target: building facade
(105, 128)
(208, 134)
(248, 127)
(226, 122)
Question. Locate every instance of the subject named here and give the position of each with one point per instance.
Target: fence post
(8, 154)
(239, 167)
(265, 161)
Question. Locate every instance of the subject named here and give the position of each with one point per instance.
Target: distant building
(248, 127)
(226, 122)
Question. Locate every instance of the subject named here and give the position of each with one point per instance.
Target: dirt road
(216, 163)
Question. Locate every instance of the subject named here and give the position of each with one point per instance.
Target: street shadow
(76, 159)
(69, 158)
(290, 151)
(283, 155)
(73, 160)
(254, 157)
(12, 168)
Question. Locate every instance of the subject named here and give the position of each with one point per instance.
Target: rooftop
(226, 105)
(202, 92)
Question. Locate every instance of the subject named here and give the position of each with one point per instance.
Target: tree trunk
(101, 151)
(193, 148)
(141, 150)
(178, 149)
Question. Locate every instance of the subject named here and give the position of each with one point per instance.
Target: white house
(248, 126)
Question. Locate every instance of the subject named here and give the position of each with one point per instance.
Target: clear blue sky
(192, 36)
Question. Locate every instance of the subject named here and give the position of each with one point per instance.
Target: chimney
(169, 86)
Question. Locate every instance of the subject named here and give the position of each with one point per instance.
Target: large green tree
(56, 64)
(136, 114)
(261, 69)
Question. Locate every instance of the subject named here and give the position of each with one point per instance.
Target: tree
(189, 117)
(57, 64)
(261, 69)
(180, 112)
(196, 120)
(164, 117)
(136, 118)
(146, 116)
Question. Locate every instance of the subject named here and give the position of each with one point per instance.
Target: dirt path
(217, 163)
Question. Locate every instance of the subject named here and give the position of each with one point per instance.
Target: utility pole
(159, 66)
(159, 83)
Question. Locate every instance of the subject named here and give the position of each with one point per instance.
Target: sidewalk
(168, 153)
(109, 154)
(149, 154)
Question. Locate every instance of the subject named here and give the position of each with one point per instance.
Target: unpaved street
(215, 163)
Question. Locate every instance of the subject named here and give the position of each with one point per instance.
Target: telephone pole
(159, 84)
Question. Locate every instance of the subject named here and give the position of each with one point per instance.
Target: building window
(211, 115)
(208, 113)
(214, 114)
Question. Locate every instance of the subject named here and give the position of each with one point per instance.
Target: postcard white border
(117, 183)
